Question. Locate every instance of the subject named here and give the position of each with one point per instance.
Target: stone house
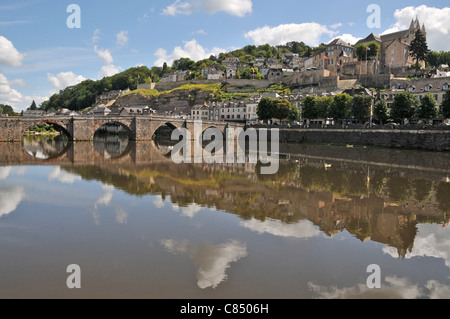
(176, 76)
(232, 65)
(213, 73)
(339, 53)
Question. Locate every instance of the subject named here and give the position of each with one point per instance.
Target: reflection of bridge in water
(114, 150)
(85, 153)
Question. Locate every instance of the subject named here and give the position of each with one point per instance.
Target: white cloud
(18, 82)
(64, 79)
(9, 54)
(10, 198)
(239, 8)
(436, 20)
(348, 38)
(108, 70)
(122, 38)
(200, 32)
(8, 95)
(63, 176)
(104, 54)
(14, 98)
(309, 33)
(302, 229)
(212, 260)
(336, 26)
(96, 36)
(192, 50)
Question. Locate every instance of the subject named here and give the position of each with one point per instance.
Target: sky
(47, 45)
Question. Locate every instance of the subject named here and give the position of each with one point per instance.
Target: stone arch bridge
(83, 128)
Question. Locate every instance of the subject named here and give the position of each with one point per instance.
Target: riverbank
(431, 140)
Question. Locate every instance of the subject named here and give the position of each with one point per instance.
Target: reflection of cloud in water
(121, 216)
(392, 288)
(10, 198)
(302, 229)
(158, 201)
(430, 241)
(212, 260)
(5, 171)
(107, 196)
(189, 211)
(63, 176)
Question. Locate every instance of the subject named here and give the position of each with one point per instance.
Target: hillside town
(386, 68)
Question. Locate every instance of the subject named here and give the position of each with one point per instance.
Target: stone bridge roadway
(138, 128)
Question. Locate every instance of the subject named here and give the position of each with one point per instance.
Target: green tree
(282, 109)
(446, 105)
(294, 114)
(428, 107)
(33, 106)
(251, 73)
(362, 52)
(361, 107)
(265, 109)
(404, 105)
(183, 64)
(419, 48)
(381, 111)
(310, 107)
(323, 106)
(6, 109)
(341, 107)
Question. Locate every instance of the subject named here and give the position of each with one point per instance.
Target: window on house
(427, 88)
(446, 87)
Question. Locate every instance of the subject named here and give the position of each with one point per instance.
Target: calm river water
(140, 226)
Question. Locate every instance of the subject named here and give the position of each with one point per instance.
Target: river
(334, 222)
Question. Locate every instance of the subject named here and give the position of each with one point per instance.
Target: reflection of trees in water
(111, 146)
(111, 140)
(45, 147)
(400, 189)
(422, 189)
(335, 181)
(443, 196)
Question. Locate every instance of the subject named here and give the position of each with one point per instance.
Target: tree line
(359, 107)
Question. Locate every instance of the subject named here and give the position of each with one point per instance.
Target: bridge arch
(161, 125)
(58, 125)
(125, 126)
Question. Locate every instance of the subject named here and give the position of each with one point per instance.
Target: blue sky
(39, 54)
